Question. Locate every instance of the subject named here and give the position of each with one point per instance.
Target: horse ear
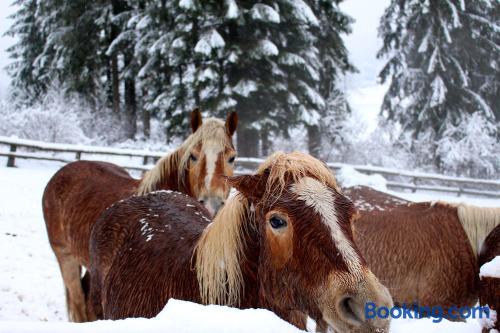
(196, 120)
(251, 186)
(231, 123)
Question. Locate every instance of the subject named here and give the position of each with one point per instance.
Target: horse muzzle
(344, 304)
(212, 204)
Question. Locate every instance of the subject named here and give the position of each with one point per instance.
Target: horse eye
(231, 159)
(277, 222)
(193, 158)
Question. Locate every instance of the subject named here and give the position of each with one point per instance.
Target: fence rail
(396, 179)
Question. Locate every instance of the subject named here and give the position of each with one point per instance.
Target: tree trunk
(248, 142)
(313, 140)
(115, 83)
(264, 141)
(146, 122)
(130, 102)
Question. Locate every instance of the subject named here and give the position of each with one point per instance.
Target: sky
(364, 93)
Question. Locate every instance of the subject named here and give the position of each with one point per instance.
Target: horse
(489, 286)
(283, 243)
(80, 191)
(425, 253)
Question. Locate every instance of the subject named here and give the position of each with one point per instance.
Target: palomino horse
(80, 191)
(425, 253)
(283, 243)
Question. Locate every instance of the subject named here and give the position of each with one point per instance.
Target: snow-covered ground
(31, 289)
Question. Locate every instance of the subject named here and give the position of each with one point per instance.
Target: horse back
(141, 252)
(74, 198)
(366, 199)
(420, 252)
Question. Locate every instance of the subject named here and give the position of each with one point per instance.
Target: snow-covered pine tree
(27, 82)
(71, 50)
(126, 15)
(442, 58)
(333, 61)
(272, 68)
(252, 80)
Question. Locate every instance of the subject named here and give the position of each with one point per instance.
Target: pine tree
(275, 62)
(28, 82)
(332, 61)
(73, 41)
(443, 65)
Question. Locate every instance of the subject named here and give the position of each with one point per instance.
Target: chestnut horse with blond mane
(425, 253)
(283, 243)
(78, 193)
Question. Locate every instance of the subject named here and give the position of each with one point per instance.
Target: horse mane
(218, 254)
(165, 167)
(212, 131)
(285, 168)
(220, 249)
(477, 222)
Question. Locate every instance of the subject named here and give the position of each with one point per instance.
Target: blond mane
(295, 165)
(220, 249)
(212, 131)
(477, 222)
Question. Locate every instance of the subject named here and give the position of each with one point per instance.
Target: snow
(348, 177)
(433, 60)
(31, 290)
(310, 117)
(81, 148)
(232, 9)
(209, 41)
(267, 48)
(491, 268)
(245, 87)
(264, 12)
(303, 12)
(177, 316)
(187, 4)
(439, 90)
(426, 325)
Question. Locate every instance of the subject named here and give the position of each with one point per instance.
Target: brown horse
(80, 191)
(489, 291)
(425, 253)
(283, 243)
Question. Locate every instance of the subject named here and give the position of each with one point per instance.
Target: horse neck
(478, 222)
(167, 174)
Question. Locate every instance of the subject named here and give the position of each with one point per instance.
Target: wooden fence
(14, 148)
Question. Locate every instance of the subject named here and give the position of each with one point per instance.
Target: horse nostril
(349, 309)
(202, 201)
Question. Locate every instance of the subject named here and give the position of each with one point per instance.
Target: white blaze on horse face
(320, 198)
(211, 154)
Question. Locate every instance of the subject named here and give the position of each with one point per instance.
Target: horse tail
(478, 222)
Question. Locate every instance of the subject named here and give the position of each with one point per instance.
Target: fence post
(78, 155)
(414, 184)
(145, 160)
(11, 161)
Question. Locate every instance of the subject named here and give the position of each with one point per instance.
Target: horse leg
(75, 299)
(94, 298)
(93, 303)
